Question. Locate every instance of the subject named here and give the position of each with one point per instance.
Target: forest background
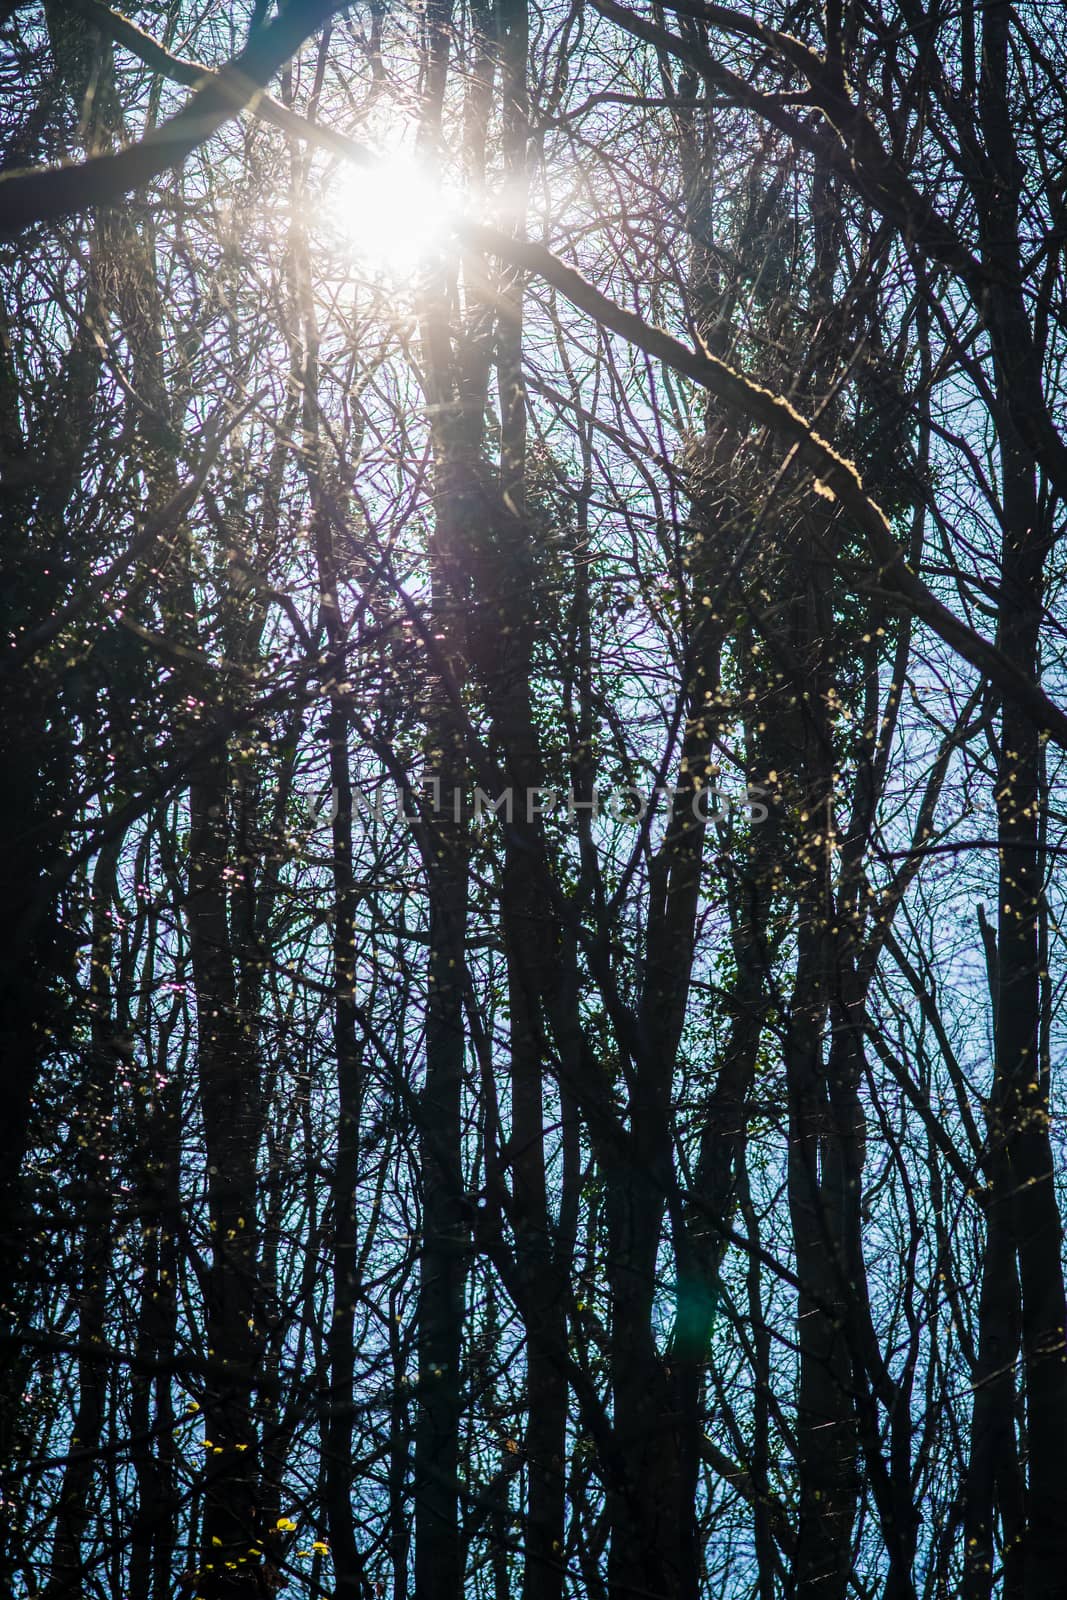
(405, 1191)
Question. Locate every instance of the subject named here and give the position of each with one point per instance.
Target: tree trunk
(70, 1575)
(232, 1538)
(1020, 1095)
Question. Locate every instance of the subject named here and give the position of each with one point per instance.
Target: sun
(392, 215)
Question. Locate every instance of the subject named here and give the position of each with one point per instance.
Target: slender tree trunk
(232, 1538)
(994, 1480)
(349, 1568)
(69, 1574)
(438, 1551)
(826, 1421)
(157, 1175)
(1023, 1151)
(350, 1577)
(1020, 1095)
(509, 699)
(442, 1271)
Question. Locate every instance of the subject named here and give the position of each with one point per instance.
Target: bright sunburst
(392, 215)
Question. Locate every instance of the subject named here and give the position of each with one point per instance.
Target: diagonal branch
(180, 69)
(834, 475)
(850, 147)
(43, 196)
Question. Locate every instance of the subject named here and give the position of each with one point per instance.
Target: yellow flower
(285, 1525)
(320, 1548)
